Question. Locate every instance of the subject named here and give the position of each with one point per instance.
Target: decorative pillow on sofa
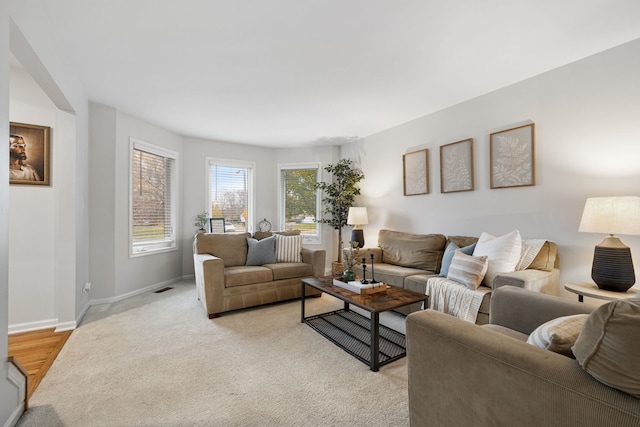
(546, 258)
(288, 248)
(467, 269)
(530, 249)
(608, 345)
(259, 235)
(261, 251)
(558, 335)
(503, 253)
(452, 247)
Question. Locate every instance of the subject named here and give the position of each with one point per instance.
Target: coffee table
(362, 337)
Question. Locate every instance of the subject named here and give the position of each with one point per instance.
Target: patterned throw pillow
(558, 335)
(261, 252)
(288, 248)
(467, 269)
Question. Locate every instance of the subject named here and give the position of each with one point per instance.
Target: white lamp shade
(611, 215)
(357, 216)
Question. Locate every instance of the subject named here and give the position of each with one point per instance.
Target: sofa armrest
(462, 374)
(546, 282)
(523, 310)
(317, 258)
(209, 274)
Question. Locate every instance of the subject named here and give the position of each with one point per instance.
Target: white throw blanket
(454, 298)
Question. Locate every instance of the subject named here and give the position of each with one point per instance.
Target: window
(152, 226)
(299, 200)
(231, 193)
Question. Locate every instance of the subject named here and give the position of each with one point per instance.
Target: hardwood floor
(36, 351)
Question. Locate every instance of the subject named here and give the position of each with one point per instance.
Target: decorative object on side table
(264, 225)
(351, 256)
(201, 221)
(612, 268)
(357, 217)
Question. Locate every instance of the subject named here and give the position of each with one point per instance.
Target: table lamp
(612, 267)
(357, 217)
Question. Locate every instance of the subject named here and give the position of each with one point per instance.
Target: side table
(592, 290)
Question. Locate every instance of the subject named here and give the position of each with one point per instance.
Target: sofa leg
(214, 315)
(317, 296)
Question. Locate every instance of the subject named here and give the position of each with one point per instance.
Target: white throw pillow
(503, 253)
(530, 249)
(558, 335)
(467, 269)
(288, 248)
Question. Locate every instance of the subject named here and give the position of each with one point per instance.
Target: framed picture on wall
(456, 166)
(415, 168)
(513, 157)
(29, 154)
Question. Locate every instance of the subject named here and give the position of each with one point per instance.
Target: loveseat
(462, 374)
(236, 270)
(415, 261)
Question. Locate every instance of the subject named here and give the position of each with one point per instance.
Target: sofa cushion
(246, 275)
(261, 251)
(467, 269)
(503, 253)
(558, 335)
(530, 249)
(231, 248)
(462, 241)
(423, 251)
(546, 258)
(290, 270)
(288, 248)
(608, 345)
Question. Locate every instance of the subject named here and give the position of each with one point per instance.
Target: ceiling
(286, 73)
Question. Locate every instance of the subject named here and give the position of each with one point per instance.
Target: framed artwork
(456, 166)
(29, 154)
(415, 169)
(513, 157)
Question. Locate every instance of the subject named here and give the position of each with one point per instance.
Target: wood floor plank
(36, 352)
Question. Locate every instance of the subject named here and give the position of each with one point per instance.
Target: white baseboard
(189, 277)
(134, 293)
(32, 326)
(66, 326)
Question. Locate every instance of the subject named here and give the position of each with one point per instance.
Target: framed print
(513, 157)
(415, 169)
(29, 154)
(456, 166)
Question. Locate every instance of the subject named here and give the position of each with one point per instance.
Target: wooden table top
(393, 297)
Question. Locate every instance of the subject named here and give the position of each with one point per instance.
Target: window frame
(251, 197)
(315, 239)
(150, 248)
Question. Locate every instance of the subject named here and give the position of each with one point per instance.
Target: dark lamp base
(613, 268)
(358, 236)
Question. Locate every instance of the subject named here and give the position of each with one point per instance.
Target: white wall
(587, 144)
(113, 274)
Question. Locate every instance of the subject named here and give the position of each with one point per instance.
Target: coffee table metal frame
(362, 337)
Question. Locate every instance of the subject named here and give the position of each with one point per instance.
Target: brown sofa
(462, 374)
(225, 283)
(409, 260)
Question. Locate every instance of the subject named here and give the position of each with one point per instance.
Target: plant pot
(337, 268)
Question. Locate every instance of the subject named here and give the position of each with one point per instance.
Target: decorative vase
(348, 275)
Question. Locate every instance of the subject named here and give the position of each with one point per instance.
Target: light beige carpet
(157, 360)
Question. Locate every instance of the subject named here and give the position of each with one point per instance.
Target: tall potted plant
(339, 196)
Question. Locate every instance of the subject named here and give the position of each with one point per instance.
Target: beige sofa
(225, 283)
(462, 374)
(409, 260)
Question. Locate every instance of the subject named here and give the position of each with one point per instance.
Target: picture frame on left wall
(29, 154)
(415, 171)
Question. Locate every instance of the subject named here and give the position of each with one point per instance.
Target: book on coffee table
(361, 288)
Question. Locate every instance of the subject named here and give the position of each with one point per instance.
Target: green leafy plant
(339, 196)
(201, 220)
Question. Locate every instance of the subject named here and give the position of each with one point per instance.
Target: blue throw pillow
(261, 251)
(448, 256)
